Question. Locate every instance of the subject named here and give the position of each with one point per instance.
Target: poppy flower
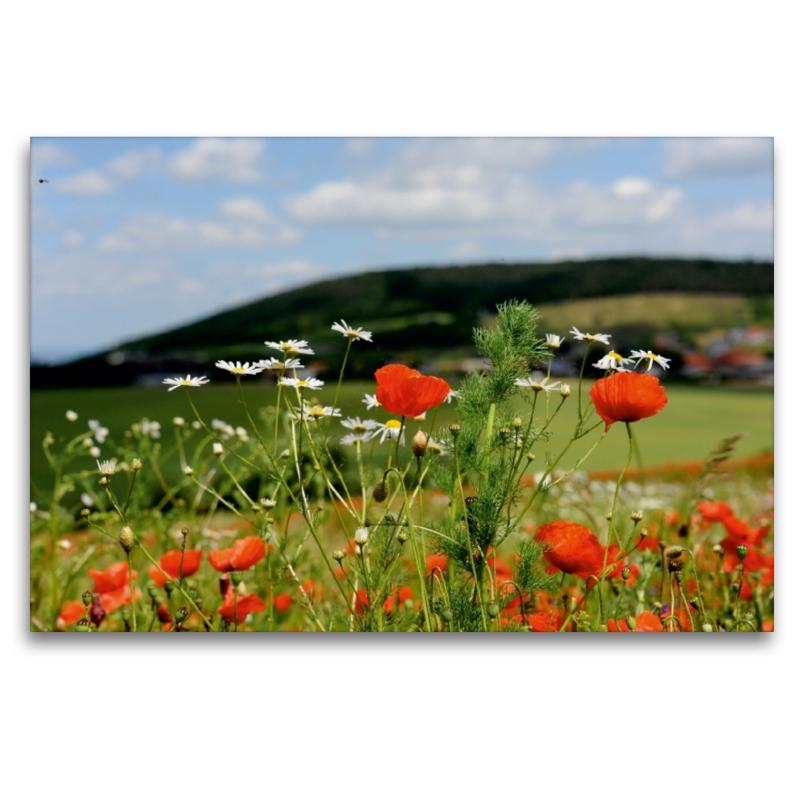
(244, 606)
(572, 548)
(244, 554)
(408, 393)
(714, 512)
(436, 563)
(71, 612)
(543, 621)
(171, 564)
(113, 586)
(362, 601)
(646, 622)
(627, 397)
(282, 602)
(390, 603)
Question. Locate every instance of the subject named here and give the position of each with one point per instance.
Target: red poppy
(244, 606)
(282, 602)
(71, 612)
(362, 601)
(390, 603)
(436, 563)
(113, 586)
(714, 512)
(408, 393)
(627, 397)
(646, 622)
(543, 621)
(571, 548)
(244, 554)
(171, 564)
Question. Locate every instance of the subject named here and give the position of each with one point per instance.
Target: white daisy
(352, 333)
(318, 412)
(72, 416)
(612, 360)
(292, 347)
(357, 425)
(217, 449)
(390, 430)
(187, 381)
(553, 341)
(354, 438)
(225, 429)
(372, 401)
(87, 500)
(107, 467)
(451, 394)
(99, 431)
(238, 368)
(277, 364)
(151, 429)
(537, 384)
(591, 337)
(650, 357)
(94, 452)
(241, 434)
(301, 383)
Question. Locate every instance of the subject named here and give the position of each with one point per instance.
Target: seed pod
(87, 598)
(673, 552)
(455, 430)
(181, 614)
(741, 551)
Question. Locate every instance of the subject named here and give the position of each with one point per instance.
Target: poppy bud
(707, 627)
(224, 583)
(136, 465)
(162, 612)
(737, 587)
(126, 614)
(181, 614)
(741, 551)
(168, 587)
(380, 491)
(127, 539)
(419, 444)
(87, 598)
(455, 430)
(82, 625)
(402, 537)
(361, 536)
(198, 601)
(673, 552)
(637, 516)
(493, 610)
(631, 621)
(97, 613)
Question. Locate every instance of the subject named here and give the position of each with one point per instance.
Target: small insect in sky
(43, 180)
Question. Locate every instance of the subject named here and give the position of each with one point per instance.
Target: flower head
(553, 341)
(176, 564)
(187, 381)
(357, 425)
(352, 333)
(244, 605)
(292, 347)
(408, 393)
(244, 554)
(537, 385)
(113, 585)
(277, 364)
(650, 357)
(301, 383)
(72, 416)
(627, 397)
(452, 394)
(571, 548)
(355, 438)
(318, 412)
(591, 337)
(371, 401)
(390, 430)
(238, 368)
(107, 467)
(612, 360)
(98, 430)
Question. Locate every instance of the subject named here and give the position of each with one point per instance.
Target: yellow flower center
(393, 423)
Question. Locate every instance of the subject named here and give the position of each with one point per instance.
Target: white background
(403, 716)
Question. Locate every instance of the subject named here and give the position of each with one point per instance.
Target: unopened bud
(493, 610)
(217, 449)
(673, 552)
(103, 481)
(637, 516)
(339, 555)
(455, 430)
(447, 614)
(419, 444)
(285, 454)
(127, 539)
(136, 465)
(708, 627)
(169, 587)
(188, 471)
(516, 423)
(380, 491)
(179, 422)
(631, 621)
(565, 391)
(152, 591)
(224, 583)
(162, 612)
(97, 613)
(609, 516)
(718, 549)
(530, 456)
(361, 536)
(85, 512)
(504, 433)
(741, 551)
(402, 537)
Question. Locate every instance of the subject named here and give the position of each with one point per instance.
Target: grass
(694, 420)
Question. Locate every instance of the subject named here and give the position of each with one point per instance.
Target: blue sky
(134, 236)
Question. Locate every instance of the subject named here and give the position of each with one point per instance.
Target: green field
(690, 425)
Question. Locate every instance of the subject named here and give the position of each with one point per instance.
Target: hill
(409, 310)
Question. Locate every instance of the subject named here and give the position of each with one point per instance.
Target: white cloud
(632, 187)
(45, 154)
(91, 182)
(699, 158)
(237, 160)
(73, 238)
(133, 164)
(746, 216)
(239, 223)
(359, 147)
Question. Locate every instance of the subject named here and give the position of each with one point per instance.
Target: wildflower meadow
(309, 520)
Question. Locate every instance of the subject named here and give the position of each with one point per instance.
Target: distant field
(690, 425)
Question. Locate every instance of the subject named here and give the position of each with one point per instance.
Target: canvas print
(432, 385)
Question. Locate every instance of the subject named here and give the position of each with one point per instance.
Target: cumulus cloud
(237, 160)
(47, 154)
(135, 163)
(701, 158)
(239, 223)
(90, 182)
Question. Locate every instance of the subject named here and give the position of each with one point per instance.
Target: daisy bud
(127, 539)
(608, 516)
(87, 597)
(718, 549)
(285, 454)
(565, 391)
(94, 452)
(631, 621)
(85, 512)
(455, 430)
(419, 444)
(402, 537)
(179, 422)
(82, 625)
(637, 516)
(184, 532)
(188, 471)
(196, 425)
(361, 536)
(181, 614)
(136, 465)
(217, 449)
(707, 627)
(741, 551)
(493, 610)
(516, 423)
(48, 439)
(530, 457)
(103, 481)
(339, 555)
(88, 442)
(72, 416)
(504, 433)
(380, 491)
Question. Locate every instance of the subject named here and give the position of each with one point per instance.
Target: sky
(134, 236)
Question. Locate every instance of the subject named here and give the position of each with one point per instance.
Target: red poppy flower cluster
(408, 393)
(627, 397)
